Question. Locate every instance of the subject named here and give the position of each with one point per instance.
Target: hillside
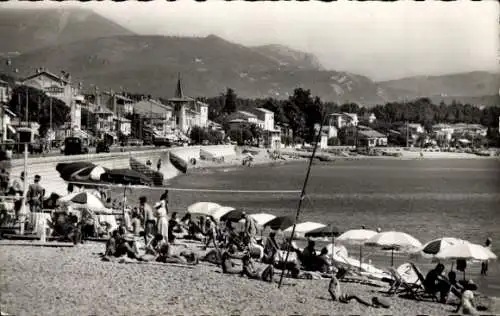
(24, 30)
(149, 64)
(287, 56)
(467, 85)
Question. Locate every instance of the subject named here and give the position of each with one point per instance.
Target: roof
(150, 106)
(247, 114)
(9, 112)
(4, 83)
(48, 74)
(265, 110)
(237, 121)
(119, 96)
(103, 110)
(371, 134)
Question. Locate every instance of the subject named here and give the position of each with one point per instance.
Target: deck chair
(423, 293)
(404, 282)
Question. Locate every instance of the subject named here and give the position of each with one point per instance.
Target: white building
(58, 87)
(340, 120)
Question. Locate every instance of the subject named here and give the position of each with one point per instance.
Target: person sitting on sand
(173, 226)
(323, 261)
(228, 266)
(467, 303)
(155, 245)
(455, 287)
(435, 282)
(308, 256)
(127, 246)
(270, 248)
(264, 274)
(112, 243)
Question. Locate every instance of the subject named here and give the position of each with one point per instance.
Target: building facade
(58, 87)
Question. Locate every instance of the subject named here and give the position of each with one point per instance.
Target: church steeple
(178, 89)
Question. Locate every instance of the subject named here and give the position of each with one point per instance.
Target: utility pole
(406, 133)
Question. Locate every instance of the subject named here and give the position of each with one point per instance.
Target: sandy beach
(74, 281)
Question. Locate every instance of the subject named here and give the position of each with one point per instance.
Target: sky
(380, 40)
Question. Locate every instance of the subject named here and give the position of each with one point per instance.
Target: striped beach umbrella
(433, 247)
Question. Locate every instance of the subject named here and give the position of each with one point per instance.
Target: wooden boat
(178, 163)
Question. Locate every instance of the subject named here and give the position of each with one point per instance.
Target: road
(113, 149)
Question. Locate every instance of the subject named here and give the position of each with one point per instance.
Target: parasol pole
(302, 196)
(392, 256)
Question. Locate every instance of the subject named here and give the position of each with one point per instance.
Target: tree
(38, 107)
(230, 105)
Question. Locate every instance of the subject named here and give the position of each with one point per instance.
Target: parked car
(133, 142)
(102, 147)
(162, 141)
(75, 146)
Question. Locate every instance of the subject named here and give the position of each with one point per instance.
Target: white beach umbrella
(394, 240)
(96, 173)
(203, 208)
(433, 247)
(356, 237)
(302, 228)
(260, 218)
(466, 251)
(221, 211)
(83, 199)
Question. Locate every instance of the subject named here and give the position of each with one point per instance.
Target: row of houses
(108, 112)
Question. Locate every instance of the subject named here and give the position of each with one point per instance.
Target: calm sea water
(425, 198)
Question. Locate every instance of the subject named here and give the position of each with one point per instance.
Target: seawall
(46, 166)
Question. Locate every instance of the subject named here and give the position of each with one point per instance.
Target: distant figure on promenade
(379, 230)
(149, 163)
(484, 264)
(71, 188)
(35, 195)
(158, 165)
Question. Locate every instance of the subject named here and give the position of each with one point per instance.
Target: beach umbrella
(394, 240)
(221, 213)
(84, 199)
(203, 208)
(466, 251)
(302, 228)
(356, 237)
(280, 222)
(433, 247)
(262, 218)
(233, 216)
(326, 231)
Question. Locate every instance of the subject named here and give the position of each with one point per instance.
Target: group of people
(14, 187)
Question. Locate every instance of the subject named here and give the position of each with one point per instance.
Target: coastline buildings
(59, 87)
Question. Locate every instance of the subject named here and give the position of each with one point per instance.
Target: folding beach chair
(401, 284)
(423, 293)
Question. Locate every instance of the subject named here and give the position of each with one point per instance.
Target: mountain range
(98, 51)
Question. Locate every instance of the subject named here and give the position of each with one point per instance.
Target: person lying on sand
(345, 297)
(166, 256)
(264, 274)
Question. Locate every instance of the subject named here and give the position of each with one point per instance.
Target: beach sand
(75, 281)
